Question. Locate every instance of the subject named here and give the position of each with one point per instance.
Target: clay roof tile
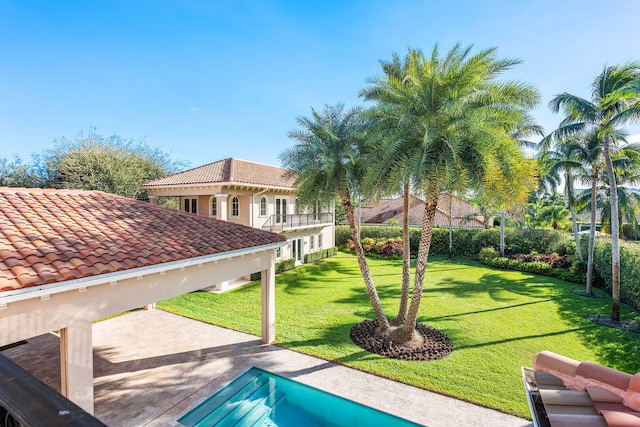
(49, 236)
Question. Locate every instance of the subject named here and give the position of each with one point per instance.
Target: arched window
(214, 207)
(235, 206)
(263, 206)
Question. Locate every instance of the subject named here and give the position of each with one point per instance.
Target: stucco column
(76, 363)
(153, 200)
(268, 283)
(221, 206)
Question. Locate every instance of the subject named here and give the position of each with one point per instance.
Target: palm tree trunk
(615, 234)
(406, 257)
(572, 209)
(450, 226)
(502, 233)
(407, 330)
(592, 233)
(383, 323)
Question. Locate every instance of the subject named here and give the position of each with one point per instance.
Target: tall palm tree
(615, 101)
(327, 162)
(447, 117)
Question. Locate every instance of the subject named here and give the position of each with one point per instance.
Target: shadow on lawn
(613, 347)
(335, 338)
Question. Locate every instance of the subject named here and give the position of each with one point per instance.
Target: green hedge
(467, 242)
(629, 268)
(321, 254)
(281, 266)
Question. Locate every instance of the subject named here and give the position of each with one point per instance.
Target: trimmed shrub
(321, 254)
(487, 254)
(280, 267)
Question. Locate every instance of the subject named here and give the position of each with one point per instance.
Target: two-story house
(251, 194)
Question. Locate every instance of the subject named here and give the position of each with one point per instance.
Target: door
(296, 249)
(281, 210)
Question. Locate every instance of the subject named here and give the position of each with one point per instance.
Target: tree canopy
(92, 162)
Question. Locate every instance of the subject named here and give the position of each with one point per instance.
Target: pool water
(260, 398)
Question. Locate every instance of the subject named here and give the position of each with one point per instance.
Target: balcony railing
(287, 222)
(25, 401)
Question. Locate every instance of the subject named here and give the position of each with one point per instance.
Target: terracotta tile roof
(49, 236)
(384, 209)
(227, 170)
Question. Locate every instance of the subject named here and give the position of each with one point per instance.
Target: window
(320, 241)
(235, 206)
(263, 206)
(214, 207)
(278, 253)
(191, 205)
(312, 241)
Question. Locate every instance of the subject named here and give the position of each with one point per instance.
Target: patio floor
(150, 367)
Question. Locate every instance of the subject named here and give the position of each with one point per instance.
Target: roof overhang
(217, 184)
(45, 291)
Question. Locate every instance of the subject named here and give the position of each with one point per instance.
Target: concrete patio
(150, 367)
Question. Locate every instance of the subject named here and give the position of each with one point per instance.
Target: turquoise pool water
(260, 398)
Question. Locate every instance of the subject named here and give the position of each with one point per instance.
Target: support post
(76, 364)
(268, 283)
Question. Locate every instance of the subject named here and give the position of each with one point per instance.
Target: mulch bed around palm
(436, 344)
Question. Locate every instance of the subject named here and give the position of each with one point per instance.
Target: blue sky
(206, 80)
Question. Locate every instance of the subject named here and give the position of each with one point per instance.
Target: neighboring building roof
(462, 213)
(49, 236)
(227, 171)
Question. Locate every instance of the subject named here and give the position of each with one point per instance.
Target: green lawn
(498, 320)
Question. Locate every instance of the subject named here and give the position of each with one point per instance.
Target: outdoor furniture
(564, 392)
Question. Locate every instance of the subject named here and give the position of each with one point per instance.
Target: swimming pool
(260, 398)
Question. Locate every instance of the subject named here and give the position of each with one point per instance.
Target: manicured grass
(498, 320)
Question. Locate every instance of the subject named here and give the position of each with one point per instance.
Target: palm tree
(555, 216)
(565, 159)
(615, 101)
(446, 118)
(327, 162)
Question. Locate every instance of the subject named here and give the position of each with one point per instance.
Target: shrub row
(467, 242)
(491, 257)
(290, 264)
(280, 267)
(321, 254)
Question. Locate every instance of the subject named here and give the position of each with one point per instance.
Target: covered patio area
(151, 367)
(69, 258)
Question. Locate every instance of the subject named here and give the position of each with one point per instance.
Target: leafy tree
(448, 117)
(93, 162)
(615, 102)
(327, 161)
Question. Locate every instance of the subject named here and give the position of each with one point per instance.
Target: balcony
(277, 223)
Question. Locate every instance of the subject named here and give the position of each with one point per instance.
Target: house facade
(251, 194)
